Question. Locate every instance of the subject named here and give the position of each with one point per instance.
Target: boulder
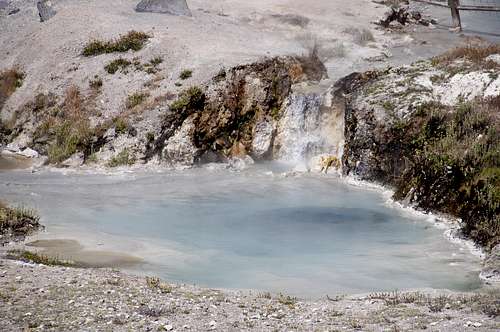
(28, 153)
(45, 10)
(76, 160)
(173, 7)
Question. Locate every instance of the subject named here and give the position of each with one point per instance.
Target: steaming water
(307, 236)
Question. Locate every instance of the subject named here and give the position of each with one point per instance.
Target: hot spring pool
(307, 236)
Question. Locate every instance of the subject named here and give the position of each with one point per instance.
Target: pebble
(168, 327)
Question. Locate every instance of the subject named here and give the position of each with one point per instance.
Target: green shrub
(185, 74)
(192, 98)
(133, 40)
(156, 61)
(136, 99)
(70, 136)
(118, 64)
(121, 125)
(122, 159)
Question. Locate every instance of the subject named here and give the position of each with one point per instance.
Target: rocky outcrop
(235, 115)
(431, 130)
(173, 7)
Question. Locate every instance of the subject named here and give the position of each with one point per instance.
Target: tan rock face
(240, 110)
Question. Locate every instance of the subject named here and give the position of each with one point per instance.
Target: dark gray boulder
(173, 7)
(45, 10)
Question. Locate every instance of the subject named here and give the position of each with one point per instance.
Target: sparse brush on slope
(10, 80)
(133, 40)
(454, 164)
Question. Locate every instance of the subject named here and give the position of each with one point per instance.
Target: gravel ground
(52, 298)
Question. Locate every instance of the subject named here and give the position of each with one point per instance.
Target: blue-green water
(308, 235)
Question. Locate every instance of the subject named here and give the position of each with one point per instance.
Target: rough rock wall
(438, 146)
(237, 113)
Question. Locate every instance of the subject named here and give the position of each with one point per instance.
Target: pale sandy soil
(221, 33)
(40, 298)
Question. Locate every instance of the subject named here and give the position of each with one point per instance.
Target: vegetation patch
(453, 164)
(150, 67)
(121, 125)
(10, 80)
(117, 64)
(135, 99)
(71, 130)
(124, 158)
(17, 222)
(32, 257)
(473, 53)
(95, 83)
(190, 99)
(287, 300)
(156, 284)
(133, 40)
(65, 129)
(185, 74)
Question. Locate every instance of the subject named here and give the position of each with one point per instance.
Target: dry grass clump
(133, 40)
(156, 284)
(10, 80)
(475, 53)
(62, 128)
(124, 158)
(185, 74)
(136, 99)
(486, 303)
(96, 83)
(67, 128)
(117, 64)
(287, 300)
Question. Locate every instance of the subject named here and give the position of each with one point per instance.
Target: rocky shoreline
(52, 298)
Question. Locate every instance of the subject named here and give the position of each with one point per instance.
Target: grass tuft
(123, 158)
(117, 64)
(95, 83)
(135, 99)
(155, 284)
(133, 40)
(185, 74)
(475, 54)
(32, 257)
(192, 98)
